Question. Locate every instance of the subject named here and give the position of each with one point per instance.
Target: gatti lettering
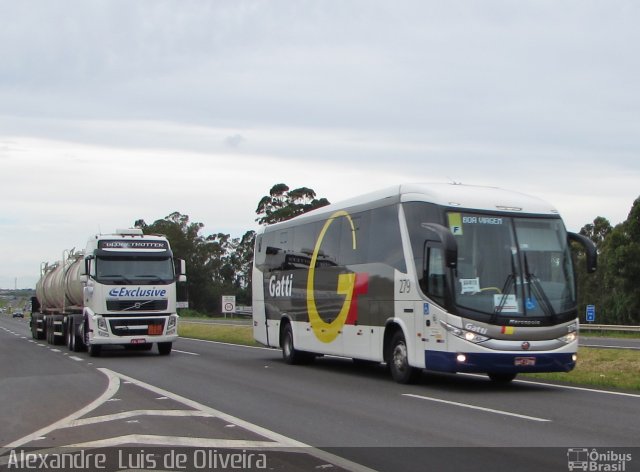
(281, 287)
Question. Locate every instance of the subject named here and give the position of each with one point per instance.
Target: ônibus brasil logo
(593, 460)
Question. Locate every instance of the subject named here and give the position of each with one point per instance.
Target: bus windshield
(512, 266)
(138, 270)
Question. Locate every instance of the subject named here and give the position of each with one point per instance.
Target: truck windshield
(512, 266)
(134, 270)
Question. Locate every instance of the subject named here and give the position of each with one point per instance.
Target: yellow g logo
(328, 332)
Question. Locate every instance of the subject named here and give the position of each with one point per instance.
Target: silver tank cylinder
(60, 286)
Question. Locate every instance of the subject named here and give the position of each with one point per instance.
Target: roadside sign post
(591, 313)
(228, 304)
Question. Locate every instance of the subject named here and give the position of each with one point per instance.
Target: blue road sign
(591, 313)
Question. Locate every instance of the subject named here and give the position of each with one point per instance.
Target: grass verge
(601, 368)
(222, 333)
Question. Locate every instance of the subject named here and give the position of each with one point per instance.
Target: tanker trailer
(58, 296)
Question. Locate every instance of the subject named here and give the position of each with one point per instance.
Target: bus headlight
(464, 334)
(569, 338)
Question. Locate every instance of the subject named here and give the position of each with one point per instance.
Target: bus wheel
(401, 371)
(501, 378)
(289, 353)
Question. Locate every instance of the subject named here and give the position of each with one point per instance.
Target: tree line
(218, 264)
(615, 287)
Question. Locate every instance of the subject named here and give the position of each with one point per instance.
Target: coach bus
(443, 277)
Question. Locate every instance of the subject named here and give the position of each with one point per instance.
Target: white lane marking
(186, 352)
(229, 344)
(566, 387)
(259, 430)
(136, 413)
(112, 388)
(75, 358)
(176, 441)
(474, 407)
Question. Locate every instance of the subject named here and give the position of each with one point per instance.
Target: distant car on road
(18, 314)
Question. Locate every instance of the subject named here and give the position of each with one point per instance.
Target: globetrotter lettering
(133, 245)
(281, 287)
(124, 292)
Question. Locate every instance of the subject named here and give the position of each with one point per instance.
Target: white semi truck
(120, 291)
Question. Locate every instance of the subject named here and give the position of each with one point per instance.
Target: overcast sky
(116, 110)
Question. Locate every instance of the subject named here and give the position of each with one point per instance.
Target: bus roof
(461, 196)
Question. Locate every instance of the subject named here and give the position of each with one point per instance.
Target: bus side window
(434, 278)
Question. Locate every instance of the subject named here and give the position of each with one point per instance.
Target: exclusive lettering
(124, 292)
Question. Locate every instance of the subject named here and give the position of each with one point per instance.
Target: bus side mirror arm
(448, 241)
(589, 248)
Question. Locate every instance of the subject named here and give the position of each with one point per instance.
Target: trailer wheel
(165, 348)
(401, 371)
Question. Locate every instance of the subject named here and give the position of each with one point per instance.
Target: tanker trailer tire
(57, 339)
(165, 348)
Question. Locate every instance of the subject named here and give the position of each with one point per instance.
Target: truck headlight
(172, 324)
(102, 327)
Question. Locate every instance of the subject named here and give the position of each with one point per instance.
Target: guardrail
(599, 327)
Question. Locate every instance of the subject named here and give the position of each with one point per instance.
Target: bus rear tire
(289, 353)
(398, 361)
(501, 378)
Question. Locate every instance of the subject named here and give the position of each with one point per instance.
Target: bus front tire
(501, 378)
(398, 361)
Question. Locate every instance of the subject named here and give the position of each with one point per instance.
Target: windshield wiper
(150, 276)
(116, 276)
(506, 288)
(534, 283)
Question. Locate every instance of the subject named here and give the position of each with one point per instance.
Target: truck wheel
(71, 332)
(34, 327)
(165, 348)
(398, 360)
(39, 335)
(93, 349)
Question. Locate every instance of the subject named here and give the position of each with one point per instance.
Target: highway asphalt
(357, 415)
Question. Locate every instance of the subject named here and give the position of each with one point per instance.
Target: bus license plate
(138, 341)
(524, 361)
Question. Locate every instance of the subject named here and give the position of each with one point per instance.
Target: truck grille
(137, 305)
(139, 327)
